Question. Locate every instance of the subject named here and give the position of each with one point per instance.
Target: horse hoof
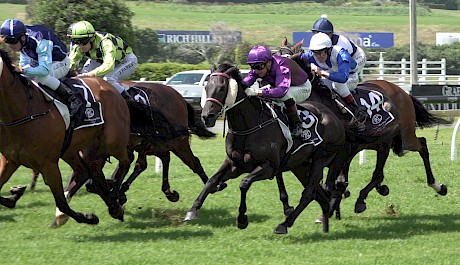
(60, 220)
(189, 216)
(122, 199)
(346, 194)
(18, 190)
(91, 219)
(281, 230)
(383, 190)
(242, 222)
(288, 211)
(117, 213)
(443, 191)
(173, 196)
(360, 207)
(319, 220)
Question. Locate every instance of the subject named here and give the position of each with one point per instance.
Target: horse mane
(9, 64)
(231, 70)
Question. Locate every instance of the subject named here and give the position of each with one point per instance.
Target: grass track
(424, 229)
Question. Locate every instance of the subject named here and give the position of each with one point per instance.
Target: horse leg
(284, 198)
(141, 166)
(172, 196)
(224, 173)
(53, 177)
(7, 168)
(441, 189)
(184, 152)
(383, 152)
(35, 175)
(311, 193)
(263, 171)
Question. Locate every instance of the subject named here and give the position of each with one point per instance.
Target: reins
(27, 118)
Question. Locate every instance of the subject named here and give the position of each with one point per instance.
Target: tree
(147, 47)
(111, 16)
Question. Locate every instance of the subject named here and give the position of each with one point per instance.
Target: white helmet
(320, 41)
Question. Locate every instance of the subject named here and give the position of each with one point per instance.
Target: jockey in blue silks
(287, 82)
(43, 57)
(356, 52)
(337, 69)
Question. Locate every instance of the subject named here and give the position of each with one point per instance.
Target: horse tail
(196, 124)
(424, 118)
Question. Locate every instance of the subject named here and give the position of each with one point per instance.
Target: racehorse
(172, 134)
(33, 131)
(409, 113)
(259, 143)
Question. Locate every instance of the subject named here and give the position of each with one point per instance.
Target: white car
(190, 84)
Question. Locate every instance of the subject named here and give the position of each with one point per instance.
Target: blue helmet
(323, 25)
(259, 54)
(13, 28)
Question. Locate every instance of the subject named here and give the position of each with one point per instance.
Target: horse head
(223, 90)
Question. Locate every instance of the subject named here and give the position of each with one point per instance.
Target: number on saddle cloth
(374, 104)
(310, 134)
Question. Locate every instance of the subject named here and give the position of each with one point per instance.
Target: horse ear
(213, 67)
(284, 42)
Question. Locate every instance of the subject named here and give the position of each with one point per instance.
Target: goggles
(11, 40)
(319, 52)
(257, 66)
(81, 41)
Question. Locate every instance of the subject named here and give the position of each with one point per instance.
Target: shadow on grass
(383, 228)
(160, 217)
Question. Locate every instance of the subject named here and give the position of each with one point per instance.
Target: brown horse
(256, 143)
(171, 133)
(183, 121)
(32, 134)
(408, 113)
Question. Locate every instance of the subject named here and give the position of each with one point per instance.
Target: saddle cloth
(89, 115)
(373, 102)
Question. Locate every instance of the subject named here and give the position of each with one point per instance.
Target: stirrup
(297, 130)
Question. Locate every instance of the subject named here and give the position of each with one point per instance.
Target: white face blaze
(1, 66)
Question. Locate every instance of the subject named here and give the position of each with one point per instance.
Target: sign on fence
(436, 93)
(188, 36)
(362, 39)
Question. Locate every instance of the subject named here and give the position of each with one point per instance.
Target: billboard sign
(187, 36)
(362, 39)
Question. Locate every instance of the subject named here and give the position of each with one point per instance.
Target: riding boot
(126, 95)
(359, 115)
(73, 103)
(294, 121)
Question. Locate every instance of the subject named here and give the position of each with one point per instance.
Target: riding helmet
(323, 25)
(320, 41)
(13, 28)
(81, 29)
(259, 54)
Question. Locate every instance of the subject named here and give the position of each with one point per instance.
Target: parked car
(190, 84)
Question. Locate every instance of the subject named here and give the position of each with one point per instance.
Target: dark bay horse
(409, 113)
(256, 143)
(32, 134)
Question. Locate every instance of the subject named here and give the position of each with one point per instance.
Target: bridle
(225, 108)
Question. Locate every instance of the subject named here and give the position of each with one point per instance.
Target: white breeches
(298, 93)
(360, 58)
(122, 70)
(343, 89)
(59, 69)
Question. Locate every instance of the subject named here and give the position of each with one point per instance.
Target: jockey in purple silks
(287, 82)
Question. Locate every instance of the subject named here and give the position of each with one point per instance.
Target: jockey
(42, 57)
(325, 26)
(337, 69)
(287, 82)
(109, 56)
